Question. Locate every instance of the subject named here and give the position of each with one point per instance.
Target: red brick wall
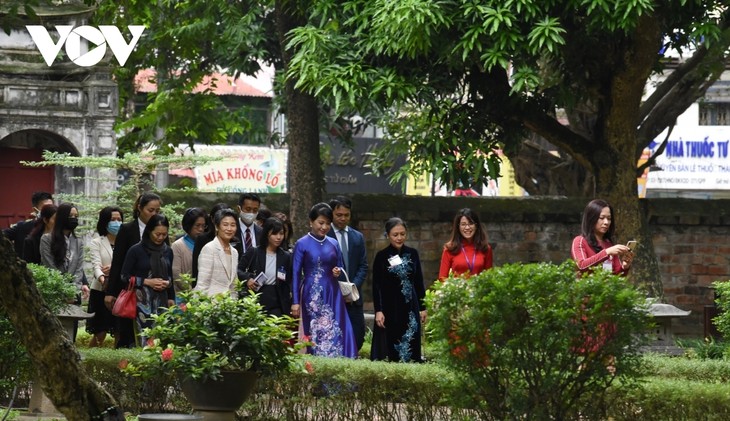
(691, 237)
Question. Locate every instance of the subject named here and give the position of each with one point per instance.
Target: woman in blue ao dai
(398, 293)
(316, 296)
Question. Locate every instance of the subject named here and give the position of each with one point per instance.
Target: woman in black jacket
(148, 264)
(266, 269)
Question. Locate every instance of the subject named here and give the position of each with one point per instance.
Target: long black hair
(590, 217)
(46, 212)
(58, 238)
(480, 235)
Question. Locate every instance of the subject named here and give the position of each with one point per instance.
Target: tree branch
(682, 88)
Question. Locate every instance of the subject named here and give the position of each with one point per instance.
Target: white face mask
(247, 218)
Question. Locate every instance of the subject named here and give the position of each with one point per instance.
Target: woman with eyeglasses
(194, 224)
(467, 252)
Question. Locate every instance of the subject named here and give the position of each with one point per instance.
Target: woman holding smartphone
(594, 248)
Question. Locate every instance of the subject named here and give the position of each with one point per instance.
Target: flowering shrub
(206, 335)
(536, 342)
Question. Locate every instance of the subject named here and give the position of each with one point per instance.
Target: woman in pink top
(594, 247)
(468, 251)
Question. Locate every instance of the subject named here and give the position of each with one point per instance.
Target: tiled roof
(144, 82)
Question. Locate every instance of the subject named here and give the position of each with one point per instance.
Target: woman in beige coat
(218, 261)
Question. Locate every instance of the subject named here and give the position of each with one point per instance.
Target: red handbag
(126, 304)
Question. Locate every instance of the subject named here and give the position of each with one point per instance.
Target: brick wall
(690, 236)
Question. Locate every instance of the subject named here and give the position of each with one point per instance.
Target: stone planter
(218, 400)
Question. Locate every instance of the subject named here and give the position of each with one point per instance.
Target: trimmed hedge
(341, 389)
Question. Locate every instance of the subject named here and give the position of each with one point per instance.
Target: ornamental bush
(56, 290)
(534, 341)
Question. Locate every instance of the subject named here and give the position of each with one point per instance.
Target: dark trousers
(125, 333)
(357, 320)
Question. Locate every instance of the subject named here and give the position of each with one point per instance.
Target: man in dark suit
(249, 231)
(17, 232)
(352, 244)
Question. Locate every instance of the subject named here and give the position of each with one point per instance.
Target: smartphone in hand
(631, 245)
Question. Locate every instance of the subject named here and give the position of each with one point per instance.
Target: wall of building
(690, 236)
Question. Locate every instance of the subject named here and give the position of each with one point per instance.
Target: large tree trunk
(305, 173)
(56, 361)
(615, 174)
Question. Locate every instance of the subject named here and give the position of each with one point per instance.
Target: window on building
(715, 114)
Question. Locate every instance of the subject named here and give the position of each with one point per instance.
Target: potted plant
(216, 346)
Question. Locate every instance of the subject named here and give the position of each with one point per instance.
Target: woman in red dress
(591, 250)
(594, 248)
(467, 252)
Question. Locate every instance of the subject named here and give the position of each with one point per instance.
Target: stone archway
(21, 180)
(62, 107)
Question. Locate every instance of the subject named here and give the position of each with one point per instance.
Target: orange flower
(308, 367)
(123, 363)
(150, 342)
(167, 354)
(183, 307)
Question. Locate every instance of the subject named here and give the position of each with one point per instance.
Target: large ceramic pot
(218, 400)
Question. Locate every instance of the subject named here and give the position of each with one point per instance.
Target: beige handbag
(349, 289)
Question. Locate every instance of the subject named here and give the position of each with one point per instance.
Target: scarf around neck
(158, 264)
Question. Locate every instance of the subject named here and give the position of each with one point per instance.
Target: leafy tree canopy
(474, 75)
(184, 42)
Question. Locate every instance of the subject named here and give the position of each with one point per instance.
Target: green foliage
(12, 11)
(511, 66)
(198, 39)
(689, 369)
(56, 290)
(534, 340)
(722, 294)
(139, 166)
(206, 335)
(703, 349)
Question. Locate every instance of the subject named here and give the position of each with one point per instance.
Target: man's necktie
(247, 240)
(343, 245)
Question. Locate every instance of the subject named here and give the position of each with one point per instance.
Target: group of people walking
(300, 280)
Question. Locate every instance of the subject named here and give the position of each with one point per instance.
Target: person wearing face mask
(62, 250)
(101, 250)
(250, 232)
(18, 232)
(147, 205)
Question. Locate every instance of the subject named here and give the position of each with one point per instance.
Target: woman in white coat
(218, 261)
(101, 250)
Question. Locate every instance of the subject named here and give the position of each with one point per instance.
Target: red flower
(167, 354)
(308, 367)
(183, 307)
(150, 342)
(123, 364)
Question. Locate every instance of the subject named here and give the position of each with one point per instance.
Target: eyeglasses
(468, 224)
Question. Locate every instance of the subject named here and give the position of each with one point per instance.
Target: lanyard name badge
(608, 264)
(395, 260)
(473, 261)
